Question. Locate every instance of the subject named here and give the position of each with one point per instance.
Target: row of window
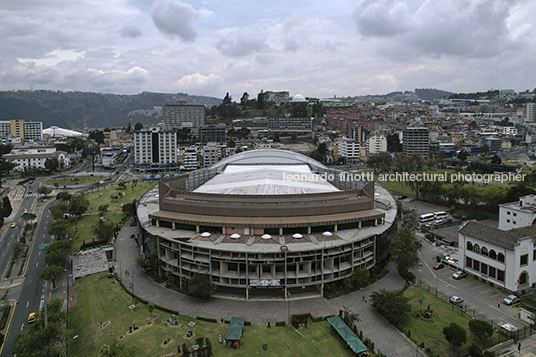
(484, 269)
(484, 251)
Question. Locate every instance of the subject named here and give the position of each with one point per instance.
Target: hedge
(207, 319)
(281, 323)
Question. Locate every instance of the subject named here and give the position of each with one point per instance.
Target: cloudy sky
(314, 48)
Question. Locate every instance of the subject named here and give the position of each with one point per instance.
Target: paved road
(385, 337)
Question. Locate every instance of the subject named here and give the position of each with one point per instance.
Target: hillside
(78, 110)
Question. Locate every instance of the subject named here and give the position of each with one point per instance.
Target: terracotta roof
(506, 239)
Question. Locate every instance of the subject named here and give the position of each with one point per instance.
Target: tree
(381, 161)
(404, 248)
(44, 190)
(480, 329)
(361, 276)
(393, 143)
(58, 228)
(485, 149)
(455, 334)
(6, 207)
(58, 211)
(462, 155)
(104, 230)
(63, 196)
(350, 318)
(200, 286)
(78, 205)
(18, 247)
(496, 160)
(130, 208)
(28, 216)
(138, 126)
(57, 258)
(102, 209)
(473, 125)
(244, 100)
(39, 341)
(5, 165)
(52, 164)
(260, 100)
(391, 304)
(98, 136)
(231, 143)
(50, 273)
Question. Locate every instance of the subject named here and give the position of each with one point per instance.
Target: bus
(441, 215)
(426, 218)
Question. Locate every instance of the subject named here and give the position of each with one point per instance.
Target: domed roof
(299, 98)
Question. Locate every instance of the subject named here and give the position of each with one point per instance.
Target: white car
(456, 300)
(511, 299)
(459, 274)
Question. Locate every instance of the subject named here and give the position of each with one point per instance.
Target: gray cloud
(175, 18)
(383, 18)
(243, 45)
(130, 31)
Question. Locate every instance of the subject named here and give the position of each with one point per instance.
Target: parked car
(459, 274)
(456, 300)
(511, 299)
(439, 266)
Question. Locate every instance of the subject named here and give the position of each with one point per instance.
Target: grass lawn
(430, 331)
(83, 228)
(102, 196)
(73, 181)
(397, 188)
(96, 299)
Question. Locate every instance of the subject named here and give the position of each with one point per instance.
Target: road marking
(27, 304)
(37, 264)
(479, 286)
(21, 327)
(39, 253)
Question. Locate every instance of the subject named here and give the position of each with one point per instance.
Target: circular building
(267, 223)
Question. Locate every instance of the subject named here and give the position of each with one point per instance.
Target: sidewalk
(386, 338)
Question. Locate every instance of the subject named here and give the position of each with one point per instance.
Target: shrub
(281, 323)
(207, 319)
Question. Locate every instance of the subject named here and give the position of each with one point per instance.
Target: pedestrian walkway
(386, 338)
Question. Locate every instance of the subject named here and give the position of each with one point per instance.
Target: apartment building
(290, 125)
(211, 154)
(213, 133)
(23, 129)
(350, 149)
(376, 144)
(35, 157)
(416, 140)
(155, 149)
(183, 115)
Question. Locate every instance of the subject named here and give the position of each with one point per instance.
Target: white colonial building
(35, 158)
(503, 257)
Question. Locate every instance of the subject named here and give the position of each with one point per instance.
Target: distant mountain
(418, 94)
(79, 110)
(431, 93)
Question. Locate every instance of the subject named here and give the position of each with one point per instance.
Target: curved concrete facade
(269, 245)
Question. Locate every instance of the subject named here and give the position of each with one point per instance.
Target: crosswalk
(32, 195)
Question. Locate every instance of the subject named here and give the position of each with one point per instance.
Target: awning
(234, 333)
(347, 334)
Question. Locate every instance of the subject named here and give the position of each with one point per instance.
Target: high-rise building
(416, 140)
(350, 149)
(376, 144)
(211, 154)
(212, 133)
(190, 158)
(530, 112)
(155, 147)
(183, 115)
(23, 129)
(288, 125)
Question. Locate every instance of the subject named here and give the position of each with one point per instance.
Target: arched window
(492, 254)
(469, 246)
(523, 278)
(476, 248)
(485, 251)
(501, 257)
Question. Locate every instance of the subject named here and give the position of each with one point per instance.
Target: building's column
(322, 289)
(375, 222)
(222, 230)
(280, 231)
(335, 228)
(359, 224)
(157, 223)
(197, 230)
(173, 225)
(247, 293)
(309, 230)
(286, 294)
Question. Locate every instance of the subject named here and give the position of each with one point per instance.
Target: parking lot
(480, 300)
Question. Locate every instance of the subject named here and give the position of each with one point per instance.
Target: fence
(501, 336)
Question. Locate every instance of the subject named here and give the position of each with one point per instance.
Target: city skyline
(310, 48)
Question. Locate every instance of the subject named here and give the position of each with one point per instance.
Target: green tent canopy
(347, 334)
(234, 333)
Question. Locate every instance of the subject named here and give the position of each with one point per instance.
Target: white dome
(299, 98)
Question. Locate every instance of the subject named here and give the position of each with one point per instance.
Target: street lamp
(288, 304)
